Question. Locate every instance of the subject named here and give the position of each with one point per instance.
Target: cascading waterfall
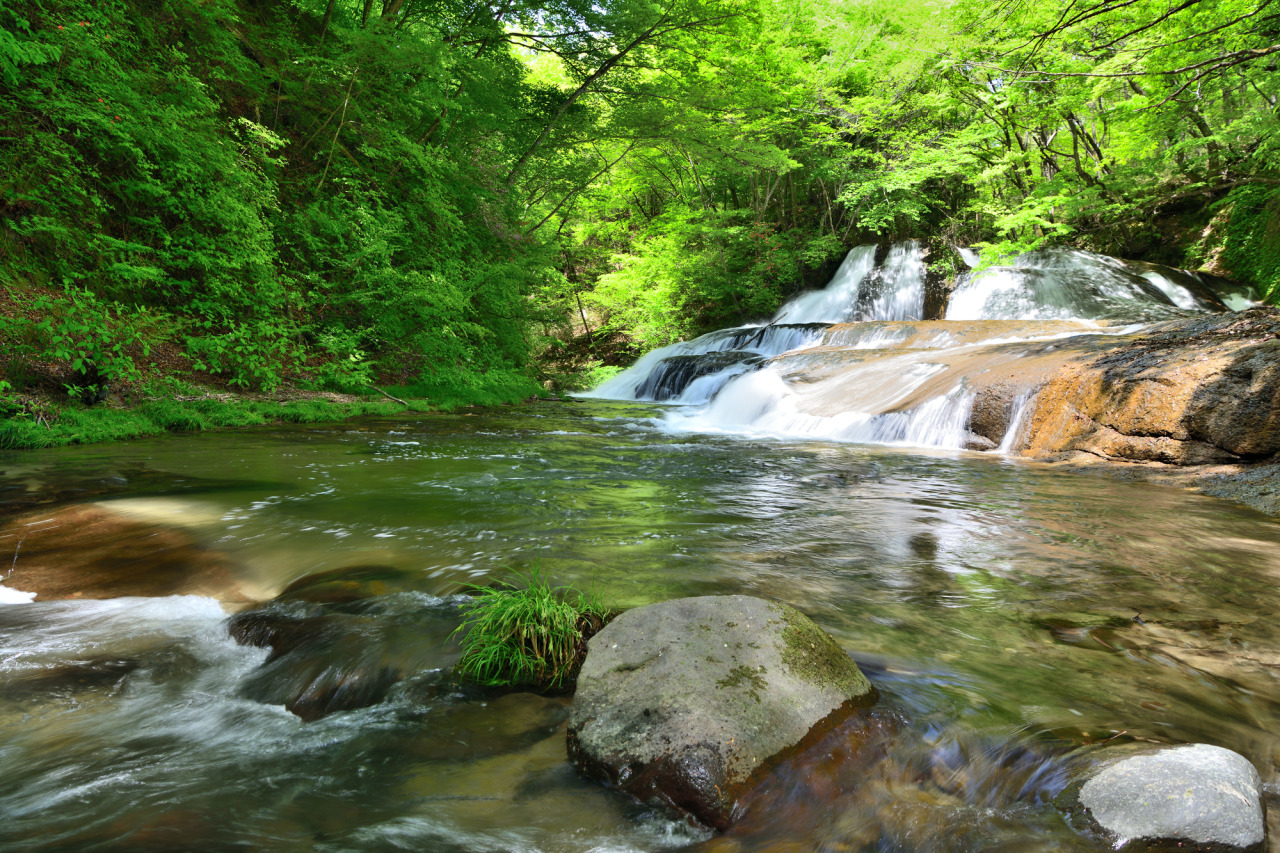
(693, 371)
(1066, 284)
(855, 362)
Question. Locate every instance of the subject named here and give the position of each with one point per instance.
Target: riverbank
(34, 422)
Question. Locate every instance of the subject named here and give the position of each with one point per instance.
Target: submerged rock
(1196, 797)
(351, 583)
(329, 657)
(681, 702)
(89, 551)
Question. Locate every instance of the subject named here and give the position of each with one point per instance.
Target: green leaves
(97, 340)
(15, 53)
(251, 355)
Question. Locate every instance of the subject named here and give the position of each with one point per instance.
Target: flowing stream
(1014, 618)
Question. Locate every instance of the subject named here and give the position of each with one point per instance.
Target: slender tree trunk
(328, 16)
(1212, 148)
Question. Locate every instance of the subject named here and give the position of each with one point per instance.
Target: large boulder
(681, 702)
(1195, 797)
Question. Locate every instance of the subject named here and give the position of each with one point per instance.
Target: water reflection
(1011, 615)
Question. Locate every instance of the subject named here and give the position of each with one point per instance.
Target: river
(1011, 614)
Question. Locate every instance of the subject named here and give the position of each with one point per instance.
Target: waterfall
(1015, 433)
(837, 302)
(1064, 284)
(854, 362)
(861, 290)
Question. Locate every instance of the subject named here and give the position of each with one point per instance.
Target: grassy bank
(41, 423)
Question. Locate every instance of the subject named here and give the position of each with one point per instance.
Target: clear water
(1013, 616)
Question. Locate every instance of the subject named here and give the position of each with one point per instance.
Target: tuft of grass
(532, 635)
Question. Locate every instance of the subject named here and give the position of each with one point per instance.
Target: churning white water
(857, 361)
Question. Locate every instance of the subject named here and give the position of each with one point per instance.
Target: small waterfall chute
(664, 374)
(854, 362)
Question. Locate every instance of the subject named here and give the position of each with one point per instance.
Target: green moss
(1251, 239)
(812, 655)
(742, 675)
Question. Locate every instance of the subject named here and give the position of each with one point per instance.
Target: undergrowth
(1252, 239)
(533, 635)
(29, 427)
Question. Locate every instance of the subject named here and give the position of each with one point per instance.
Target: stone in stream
(682, 702)
(1197, 797)
(90, 551)
(327, 658)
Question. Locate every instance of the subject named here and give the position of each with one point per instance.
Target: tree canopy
(422, 191)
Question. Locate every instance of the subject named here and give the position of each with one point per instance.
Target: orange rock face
(1191, 392)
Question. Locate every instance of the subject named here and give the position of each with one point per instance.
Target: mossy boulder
(681, 703)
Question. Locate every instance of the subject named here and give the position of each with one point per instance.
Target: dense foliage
(428, 192)
(1131, 127)
(258, 184)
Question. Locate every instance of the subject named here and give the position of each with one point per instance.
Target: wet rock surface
(673, 375)
(1197, 797)
(1193, 403)
(348, 652)
(1192, 392)
(681, 702)
(351, 583)
(88, 551)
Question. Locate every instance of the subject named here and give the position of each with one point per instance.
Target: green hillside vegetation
(458, 199)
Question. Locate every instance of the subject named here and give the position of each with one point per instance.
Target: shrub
(253, 355)
(533, 636)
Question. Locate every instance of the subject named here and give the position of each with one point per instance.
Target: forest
(632, 458)
(478, 199)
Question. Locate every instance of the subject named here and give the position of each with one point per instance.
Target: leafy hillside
(436, 194)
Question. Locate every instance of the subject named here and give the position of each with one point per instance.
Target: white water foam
(9, 595)
(763, 404)
(836, 302)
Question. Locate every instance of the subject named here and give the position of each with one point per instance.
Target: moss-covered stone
(811, 653)
(682, 702)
